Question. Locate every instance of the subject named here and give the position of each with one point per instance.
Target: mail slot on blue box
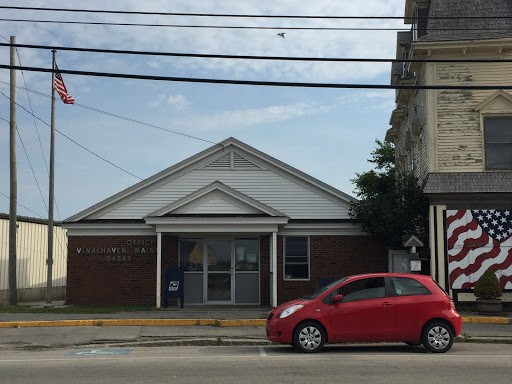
(174, 285)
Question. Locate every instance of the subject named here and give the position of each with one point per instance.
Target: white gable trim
(200, 160)
(237, 198)
(498, 101)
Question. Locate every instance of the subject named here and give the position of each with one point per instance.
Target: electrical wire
(31, 168)
(259, 83)
(256, 16)
(74, 141)
(254, 57)
(493, 29)
(36, 128)
(259, 16)
(118, 116)
(213, 26)
(17, 203)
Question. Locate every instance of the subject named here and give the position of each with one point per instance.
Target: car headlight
(288, 311)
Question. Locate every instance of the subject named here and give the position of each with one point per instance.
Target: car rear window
(404, 286)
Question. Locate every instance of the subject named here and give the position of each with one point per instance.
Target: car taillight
(450, 300)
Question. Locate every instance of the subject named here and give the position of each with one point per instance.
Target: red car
(371, 307)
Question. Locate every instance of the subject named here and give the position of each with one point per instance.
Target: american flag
(61, 88)
(479, 240)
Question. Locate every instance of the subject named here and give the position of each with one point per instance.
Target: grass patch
(76, 309)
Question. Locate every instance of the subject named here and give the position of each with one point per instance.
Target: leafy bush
(488, 286)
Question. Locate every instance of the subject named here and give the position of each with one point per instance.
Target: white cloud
(178, 101)
(227, 41)
(245, 118)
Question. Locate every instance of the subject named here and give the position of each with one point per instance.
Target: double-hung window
(296, 258)
(498, 142)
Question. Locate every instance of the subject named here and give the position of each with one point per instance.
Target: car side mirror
(337, 299)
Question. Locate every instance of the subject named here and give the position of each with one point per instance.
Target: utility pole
(13, 294)
(49, 261)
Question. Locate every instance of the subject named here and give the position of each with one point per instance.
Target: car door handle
(386, 304)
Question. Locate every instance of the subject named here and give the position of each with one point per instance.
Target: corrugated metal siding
(459, 135)
(265, 186)
(31, 254)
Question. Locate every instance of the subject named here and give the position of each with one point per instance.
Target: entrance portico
(220, 257)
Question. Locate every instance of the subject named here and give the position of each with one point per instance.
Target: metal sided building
(31, 256)
(245, 227)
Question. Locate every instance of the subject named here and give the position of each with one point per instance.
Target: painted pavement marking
(100, 352)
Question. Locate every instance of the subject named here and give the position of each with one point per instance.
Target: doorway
(221, 270)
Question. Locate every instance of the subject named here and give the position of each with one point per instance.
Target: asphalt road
(466, 363)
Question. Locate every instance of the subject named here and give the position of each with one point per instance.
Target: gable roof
(213, 157)
(197, 202)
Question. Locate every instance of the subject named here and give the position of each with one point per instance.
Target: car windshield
(324, 289)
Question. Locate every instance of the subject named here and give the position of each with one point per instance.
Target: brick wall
(333, 256)
(122, 269)
(111, 270)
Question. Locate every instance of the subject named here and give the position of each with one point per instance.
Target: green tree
(389, 205)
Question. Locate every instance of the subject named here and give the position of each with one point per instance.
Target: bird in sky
(281, 34)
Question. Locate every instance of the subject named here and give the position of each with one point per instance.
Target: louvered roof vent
(232, 160)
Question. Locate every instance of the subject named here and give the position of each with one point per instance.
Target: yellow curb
(486, 320)
(132, 322)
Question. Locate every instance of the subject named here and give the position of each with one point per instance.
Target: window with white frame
(296, 258)
(498, 142)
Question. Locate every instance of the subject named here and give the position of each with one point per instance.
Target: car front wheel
(437, 337)
(309, 337)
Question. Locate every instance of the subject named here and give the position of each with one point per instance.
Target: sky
(326, 133)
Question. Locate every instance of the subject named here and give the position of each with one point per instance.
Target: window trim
(308, 263)
(484, 117)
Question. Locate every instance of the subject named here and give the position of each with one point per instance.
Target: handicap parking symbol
(100, 352)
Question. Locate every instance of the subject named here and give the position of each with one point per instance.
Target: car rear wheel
(309, 337)
(437, 337)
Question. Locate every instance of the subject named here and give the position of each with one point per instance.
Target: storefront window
(191, 254)
(247, 256)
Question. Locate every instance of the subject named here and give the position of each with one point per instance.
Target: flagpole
(49, 261)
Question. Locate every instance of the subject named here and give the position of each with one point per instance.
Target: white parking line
(262, 352)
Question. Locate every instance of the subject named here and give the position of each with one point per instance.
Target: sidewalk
(205, 325)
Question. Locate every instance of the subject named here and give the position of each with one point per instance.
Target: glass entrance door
(219, 271)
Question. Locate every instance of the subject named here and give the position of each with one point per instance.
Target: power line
(256, 16)
(37, 214)
(259, 83)
(70, 139)
(255, 57)
(118, 116)
(31, 168)
(493, 29)
(214, 26)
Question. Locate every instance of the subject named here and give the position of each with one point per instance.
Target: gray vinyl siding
(217, 205)
(278, 192)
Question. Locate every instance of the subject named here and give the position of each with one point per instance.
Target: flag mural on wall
(479, 240)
